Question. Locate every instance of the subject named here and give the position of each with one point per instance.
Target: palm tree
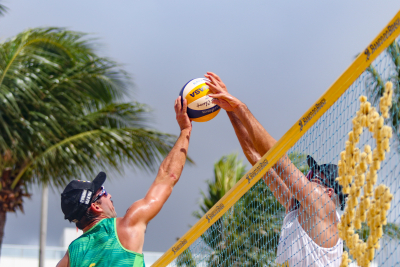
(227, 172)
(61, 116)
(186, 259)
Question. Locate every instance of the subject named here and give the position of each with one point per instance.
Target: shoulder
(128, 223)
(136, 212)
(80, 239)
(80, 242)
(84, 240)
(290, 216)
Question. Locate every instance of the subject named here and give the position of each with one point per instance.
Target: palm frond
(121, 115)
(61, 118)
(3, 10)
(227, 172)
(85, 153)
(51, 71)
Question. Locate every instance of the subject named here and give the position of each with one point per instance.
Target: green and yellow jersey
(100, 247)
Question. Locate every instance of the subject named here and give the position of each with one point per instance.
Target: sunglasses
(314, 175)
(102, 193)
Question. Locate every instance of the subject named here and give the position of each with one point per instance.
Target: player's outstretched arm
(273, 181)
(168, 175)
(245, 142)
(295, 181)
(260, 138)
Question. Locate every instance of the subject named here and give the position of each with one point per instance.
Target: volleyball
(200, 106)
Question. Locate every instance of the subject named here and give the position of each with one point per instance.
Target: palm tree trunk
(43, 225)
(10, 199)
(2, 225)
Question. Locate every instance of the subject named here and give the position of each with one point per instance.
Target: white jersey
(296, 248)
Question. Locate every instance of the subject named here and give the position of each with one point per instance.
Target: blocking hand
(220, 94)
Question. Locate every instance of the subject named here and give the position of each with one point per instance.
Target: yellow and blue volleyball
(200, 106)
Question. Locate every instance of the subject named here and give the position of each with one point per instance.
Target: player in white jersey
(309, 235)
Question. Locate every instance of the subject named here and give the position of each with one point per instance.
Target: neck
(294, 205)
(94, 222)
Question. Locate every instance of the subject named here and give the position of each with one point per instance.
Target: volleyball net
(245, 227)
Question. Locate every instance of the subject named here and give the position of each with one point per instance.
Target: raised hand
(220, 94)
(181, 115)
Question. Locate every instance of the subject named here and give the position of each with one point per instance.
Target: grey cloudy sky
(276, 56)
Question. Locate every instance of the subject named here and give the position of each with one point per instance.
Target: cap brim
(99, 181)
(312, 163)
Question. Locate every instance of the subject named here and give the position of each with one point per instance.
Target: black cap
(331, 172)
(78, 195)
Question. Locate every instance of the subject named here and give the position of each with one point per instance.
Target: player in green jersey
(111, 241)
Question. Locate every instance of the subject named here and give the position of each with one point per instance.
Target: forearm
(248, 148)
(263, 142)
(271, 178)
(260, 138)
(278, 187)
(171, 168)
(168, 175)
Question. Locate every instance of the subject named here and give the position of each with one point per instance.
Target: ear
(330, 192)
(95, 207)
